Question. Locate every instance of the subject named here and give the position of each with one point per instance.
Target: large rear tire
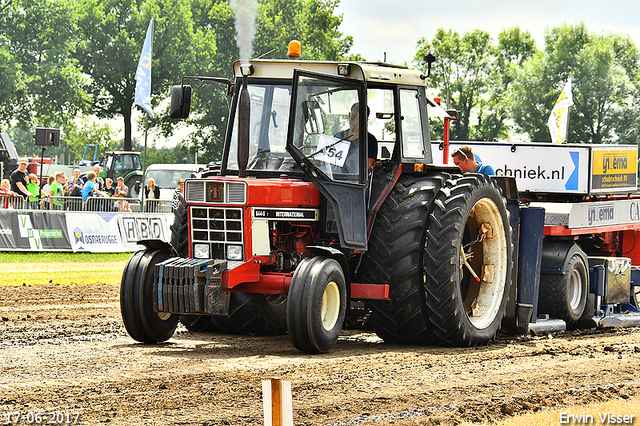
(136, 299)
(564, 295)
(395, 257)
(469, 223)
(316, 304)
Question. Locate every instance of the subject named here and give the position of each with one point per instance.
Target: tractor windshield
(268, 130)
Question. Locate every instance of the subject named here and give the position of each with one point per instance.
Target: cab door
(327, 138)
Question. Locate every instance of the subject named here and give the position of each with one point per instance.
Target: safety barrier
(93, 204)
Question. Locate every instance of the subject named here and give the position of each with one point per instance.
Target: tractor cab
(304, 123)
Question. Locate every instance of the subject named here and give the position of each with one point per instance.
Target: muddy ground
(65, 354)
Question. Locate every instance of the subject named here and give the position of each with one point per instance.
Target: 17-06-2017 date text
(38, 418)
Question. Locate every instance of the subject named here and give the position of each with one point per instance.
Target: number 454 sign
(332, 150)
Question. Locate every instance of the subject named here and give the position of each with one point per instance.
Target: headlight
(201, 251)
(234, 252)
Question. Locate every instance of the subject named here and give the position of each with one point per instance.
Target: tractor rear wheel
(254, 314)
(395, 257)
(197, 323)
(468, 261)
(316, 304)
(564, 295)
(136, 299)
(180, 229)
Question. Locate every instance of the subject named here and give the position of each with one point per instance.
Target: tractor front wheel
(136, 299)
(316, 304)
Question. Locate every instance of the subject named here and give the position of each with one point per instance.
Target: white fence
(93, 204)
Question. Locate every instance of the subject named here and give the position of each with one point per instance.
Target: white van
(166, 176)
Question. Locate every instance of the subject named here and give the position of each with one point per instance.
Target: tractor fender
(157, 244)
(556, 256)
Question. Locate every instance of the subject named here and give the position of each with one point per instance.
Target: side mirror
(312, 114)
(180, 101)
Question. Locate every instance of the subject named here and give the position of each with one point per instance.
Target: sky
(395, 26)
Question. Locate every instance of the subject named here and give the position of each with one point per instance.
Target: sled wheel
(316, 304)
(468, 255)
(395, 257)
(564, 295)
(136, 299)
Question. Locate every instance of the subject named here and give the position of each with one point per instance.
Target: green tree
(513, 50)
(605, 86)
(312, 22)
(463, 69)
(112, 33)
(40, 80)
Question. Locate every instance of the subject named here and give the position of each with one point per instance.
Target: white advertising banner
(94, 232)
(114, 232)
(550, 168)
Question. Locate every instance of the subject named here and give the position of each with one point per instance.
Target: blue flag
(143, 74)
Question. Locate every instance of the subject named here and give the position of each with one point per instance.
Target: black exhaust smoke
(244, 117)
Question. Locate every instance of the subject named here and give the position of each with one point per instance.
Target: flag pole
(146, 120)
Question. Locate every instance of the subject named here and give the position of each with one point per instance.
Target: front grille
(217, 227)
(236, 193)
(195, 191)
(215, 191)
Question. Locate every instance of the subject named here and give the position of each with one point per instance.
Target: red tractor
(297, 228)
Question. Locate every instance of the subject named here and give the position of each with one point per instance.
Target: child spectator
(6, 194)
(56, 191)
(46, 188)
(109, 188)
(74, 186)
(122, 205)
(90, 188)
(121, 186)
(34, 189)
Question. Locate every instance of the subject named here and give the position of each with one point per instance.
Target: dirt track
(64, 351)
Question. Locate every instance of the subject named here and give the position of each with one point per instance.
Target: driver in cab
(352, 134)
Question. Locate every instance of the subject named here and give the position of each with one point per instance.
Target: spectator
(46, 189)
(56, 191)
(152, 191)
(109, 188)
(34, 189)
(99, 182)
(74, 186)
(120, 186)
(19, 179)
(90, 188)
(6, 194)
(177, 193)
(122, 205)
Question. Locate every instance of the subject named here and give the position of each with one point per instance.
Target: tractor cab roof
(365, 71)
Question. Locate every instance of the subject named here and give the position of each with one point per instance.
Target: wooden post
(276, 402)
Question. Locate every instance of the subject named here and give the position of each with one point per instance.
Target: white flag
(559, 118)
(143, 73)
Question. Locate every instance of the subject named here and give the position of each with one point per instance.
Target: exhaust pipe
(244, 118)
